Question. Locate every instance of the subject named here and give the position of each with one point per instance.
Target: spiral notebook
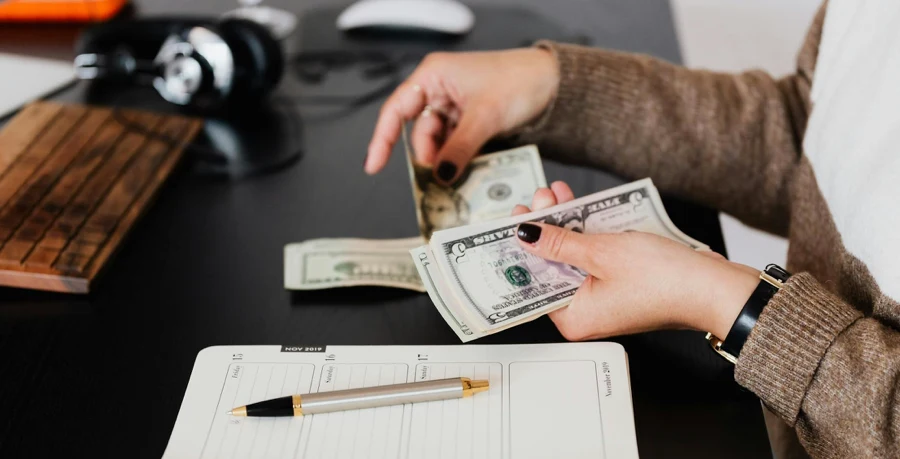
(568, 400)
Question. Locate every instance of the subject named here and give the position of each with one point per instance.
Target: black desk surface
(104, 375)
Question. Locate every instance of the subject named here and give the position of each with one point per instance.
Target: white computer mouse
(446, 16)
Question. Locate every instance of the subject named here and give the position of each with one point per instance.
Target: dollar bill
(489, 188)
(437, 289)
(482, 281)
(329, 263)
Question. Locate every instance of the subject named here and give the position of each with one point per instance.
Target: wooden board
(73, 182)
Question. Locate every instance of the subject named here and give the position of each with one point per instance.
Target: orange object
(59, 10)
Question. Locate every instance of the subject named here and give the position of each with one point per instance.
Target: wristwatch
(770, 282)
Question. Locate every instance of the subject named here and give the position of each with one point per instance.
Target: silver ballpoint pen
(366, 397)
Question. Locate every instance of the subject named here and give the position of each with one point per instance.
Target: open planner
(570, 400)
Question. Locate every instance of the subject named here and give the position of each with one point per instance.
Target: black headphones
(191, 62)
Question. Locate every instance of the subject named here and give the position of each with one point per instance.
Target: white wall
(734, 35)
(24, 78)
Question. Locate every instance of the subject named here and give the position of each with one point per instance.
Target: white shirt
(853, 135)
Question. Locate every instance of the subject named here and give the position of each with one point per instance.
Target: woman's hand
(470, 97)
(638, 281)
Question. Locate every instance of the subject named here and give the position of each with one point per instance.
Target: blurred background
(724, 35)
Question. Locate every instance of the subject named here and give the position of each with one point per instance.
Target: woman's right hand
(459, 101)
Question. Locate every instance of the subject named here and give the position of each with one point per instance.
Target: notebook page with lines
(545, 400)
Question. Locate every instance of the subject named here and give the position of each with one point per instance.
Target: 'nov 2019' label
(302, 348)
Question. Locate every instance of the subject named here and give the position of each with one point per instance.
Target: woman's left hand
(637, 281)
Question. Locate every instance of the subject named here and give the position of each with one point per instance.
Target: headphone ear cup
(142, 36)
(258, 57)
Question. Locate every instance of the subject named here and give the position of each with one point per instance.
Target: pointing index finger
(405, 103)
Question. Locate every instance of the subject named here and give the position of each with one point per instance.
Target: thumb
(474, 129)
(558, 244)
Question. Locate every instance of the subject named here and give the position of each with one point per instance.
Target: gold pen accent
(239, 411)
(471, 388)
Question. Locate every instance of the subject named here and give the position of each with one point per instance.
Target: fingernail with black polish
(446, 171)
(529, 233)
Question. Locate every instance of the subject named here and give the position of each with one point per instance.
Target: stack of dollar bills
(466, 255)
(490, 187)
(482, 281)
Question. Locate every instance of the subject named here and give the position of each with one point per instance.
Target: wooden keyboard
(73, 182)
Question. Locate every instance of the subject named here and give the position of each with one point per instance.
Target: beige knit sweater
(825, 354)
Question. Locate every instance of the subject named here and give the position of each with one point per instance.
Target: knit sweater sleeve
(827, 370)
(728, 141)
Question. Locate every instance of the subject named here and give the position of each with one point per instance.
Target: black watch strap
(770, 282)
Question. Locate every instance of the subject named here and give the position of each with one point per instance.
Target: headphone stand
(247, 143)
